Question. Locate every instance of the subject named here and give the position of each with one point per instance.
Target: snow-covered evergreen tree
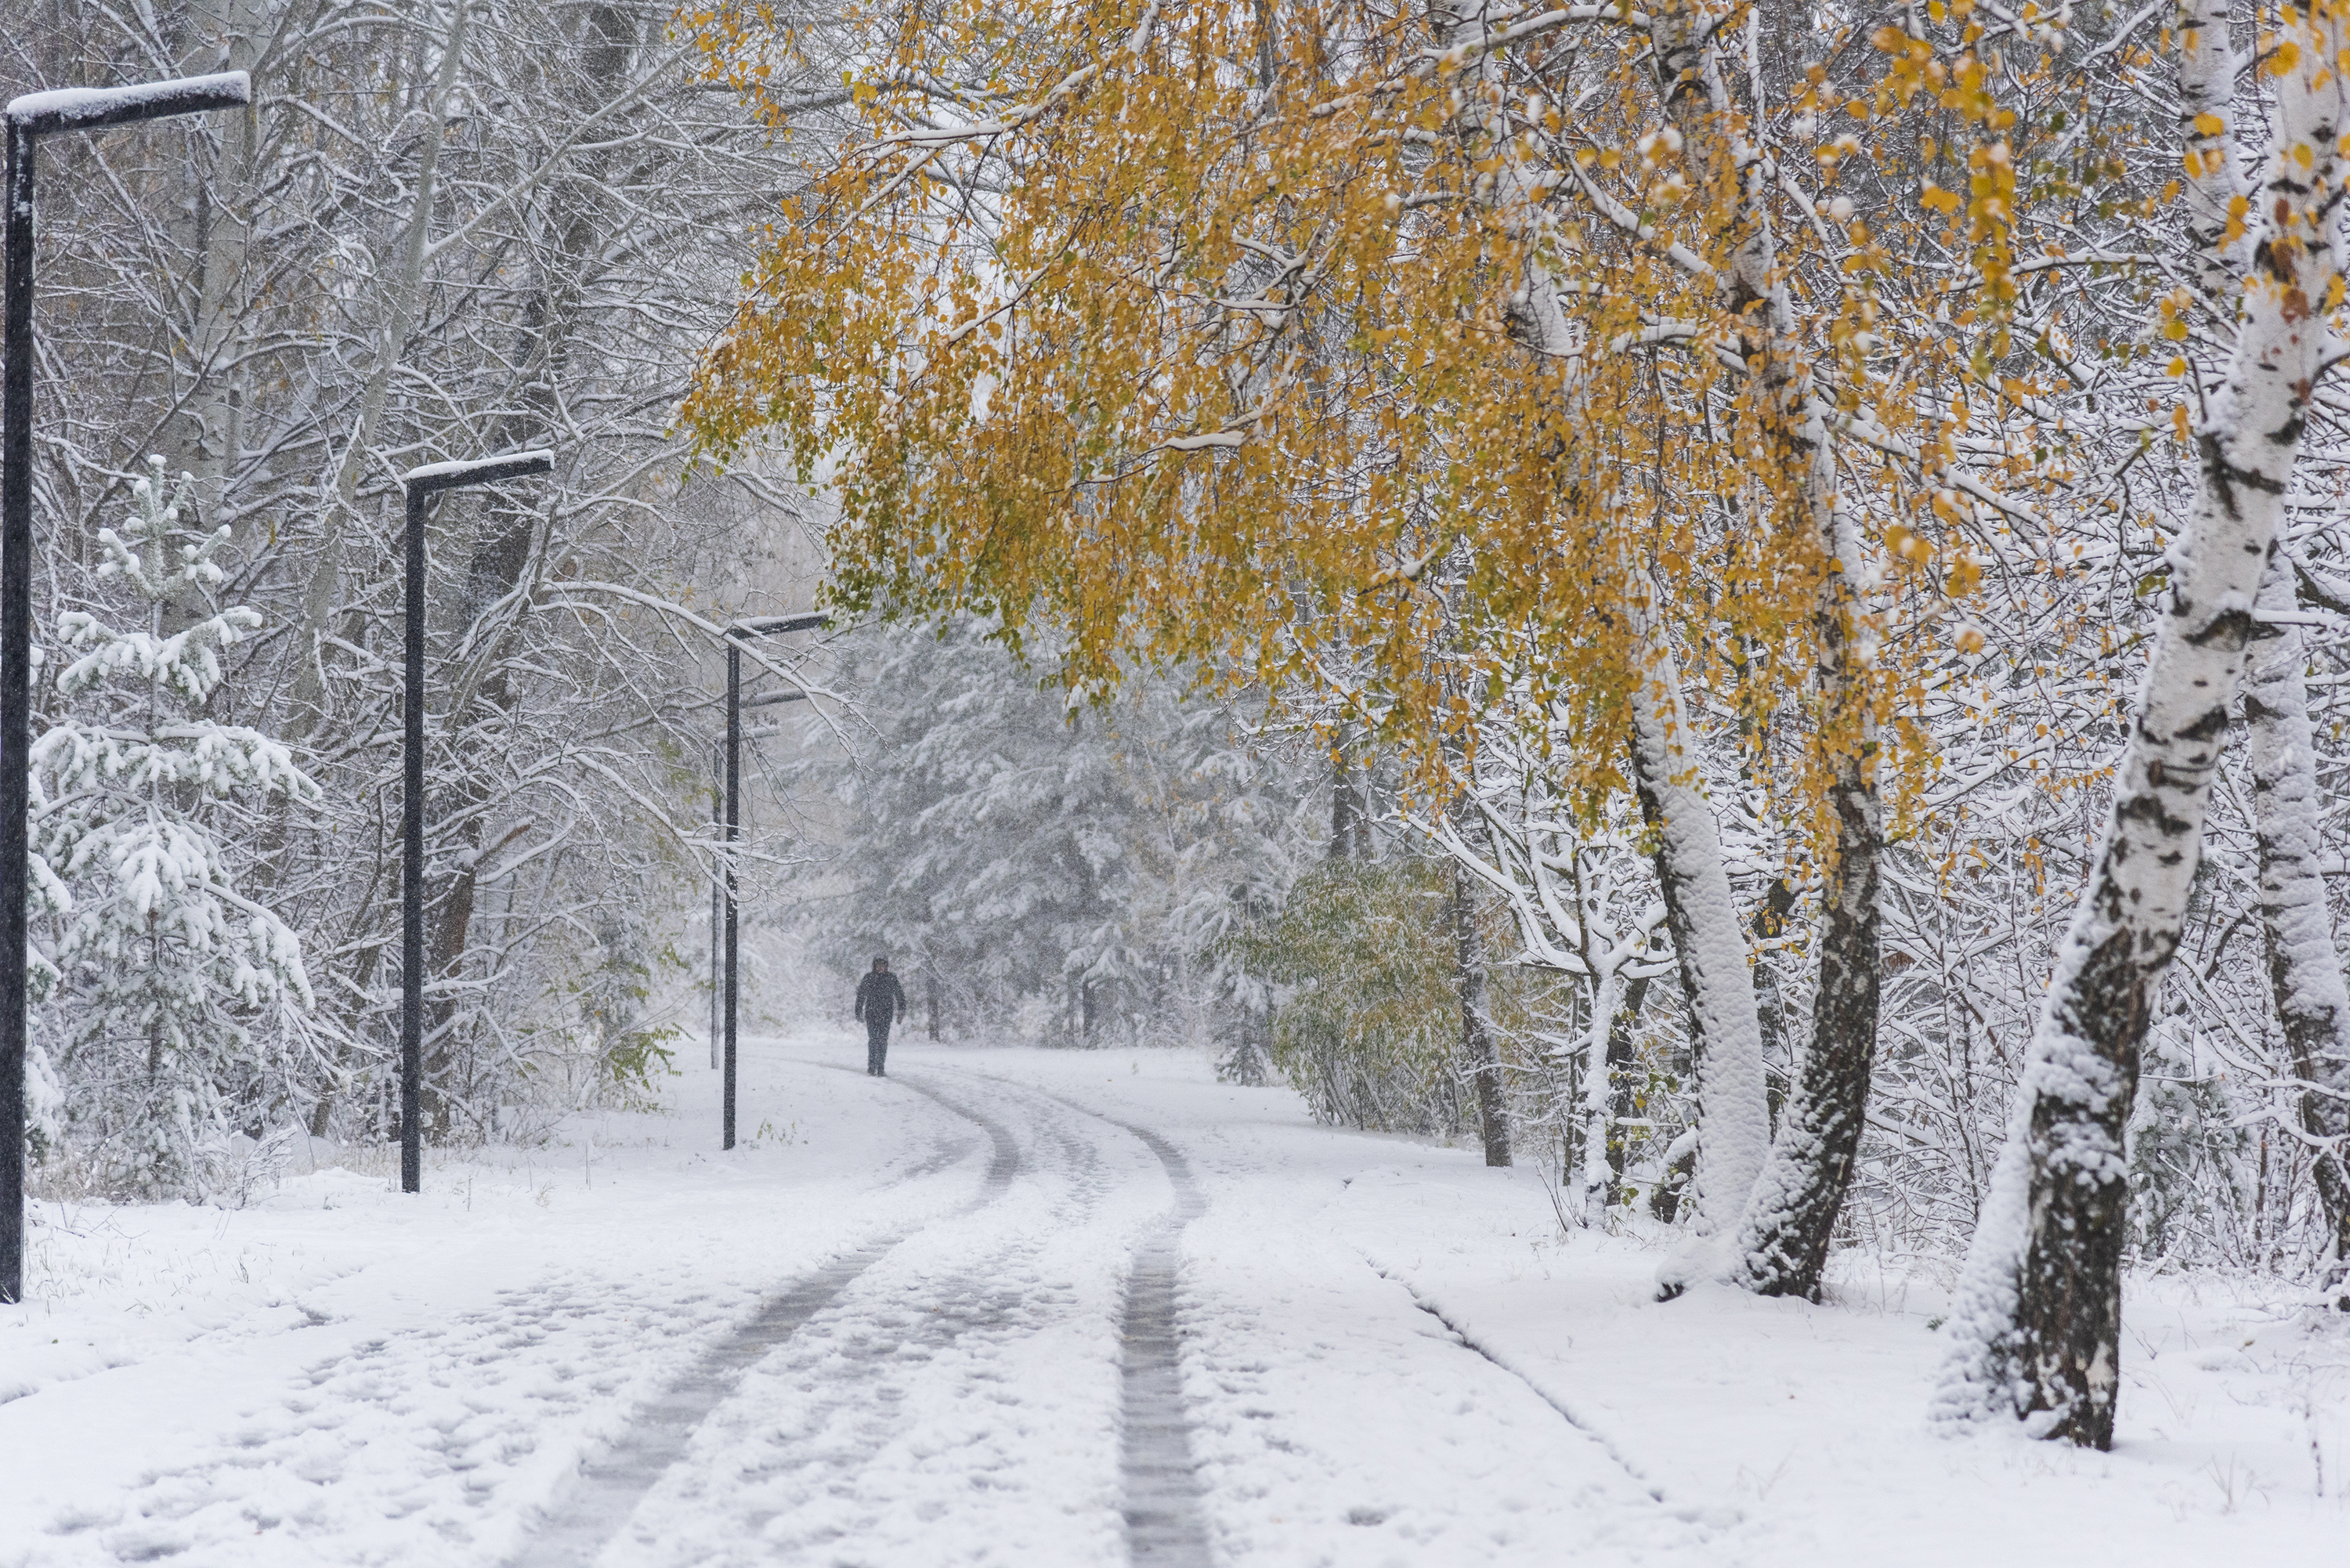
(168, 984)
(1015, 857)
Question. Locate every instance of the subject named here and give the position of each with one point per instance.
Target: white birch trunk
(2037, 1323)
(2312, 1000)
(2305, 976)
(1782, 1245)
(2207, 91)
(1733, 1114)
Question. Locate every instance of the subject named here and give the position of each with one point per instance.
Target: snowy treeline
(1038, 866)
(444, 230)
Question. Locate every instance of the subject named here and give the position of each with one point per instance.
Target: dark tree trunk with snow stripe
(1803, 1190)
(1621, 1031)
(1478, 1049)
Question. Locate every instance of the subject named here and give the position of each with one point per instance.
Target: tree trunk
(1783, 1246)
(2207, 91)
(1783, 1238)
(2313, 1001)
(1597, 1190)
(201, 435)
(1479, 1048)
(1619, 1076)
(1726, 1031)
(1347, 830)
(403, 293)
(506, 543)
(2304, 969)
(2037, 1323)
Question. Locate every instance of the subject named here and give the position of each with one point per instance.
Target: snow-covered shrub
(174, 997)
(1368, 1027)
(612, 993)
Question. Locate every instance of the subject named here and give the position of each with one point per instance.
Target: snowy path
(612, 1485)
(958, 1401)
(1043, 1308)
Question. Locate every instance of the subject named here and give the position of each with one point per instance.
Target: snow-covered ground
(891, 1330)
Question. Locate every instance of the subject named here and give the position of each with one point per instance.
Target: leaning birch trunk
(1733, 1113)
(1783, 1241)
(1733, 1117)
(2036, 1334)
(2312, 1001)
(1782, 1245)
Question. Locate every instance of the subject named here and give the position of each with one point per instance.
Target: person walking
(881, 1001)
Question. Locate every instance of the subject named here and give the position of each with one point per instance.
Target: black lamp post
(423, 485)
(29, 119)
(765, 626)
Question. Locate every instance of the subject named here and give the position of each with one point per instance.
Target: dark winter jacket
(880, 1000)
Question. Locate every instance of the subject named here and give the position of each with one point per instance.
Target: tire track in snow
(959, 1403)
(887, 1353)
(611, 1489)
(1165, 1523)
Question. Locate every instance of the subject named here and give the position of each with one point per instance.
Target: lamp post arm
(776, 625)
(432, 477)
(95, 109)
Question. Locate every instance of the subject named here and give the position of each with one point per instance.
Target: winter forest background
(1420, 883)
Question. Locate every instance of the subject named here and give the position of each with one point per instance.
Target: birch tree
(2038, 1320)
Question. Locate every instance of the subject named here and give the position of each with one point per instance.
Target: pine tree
(168, 982)
(1011, 854)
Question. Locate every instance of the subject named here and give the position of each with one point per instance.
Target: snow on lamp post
(765, 626)
(30, 117)
(421, 484)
